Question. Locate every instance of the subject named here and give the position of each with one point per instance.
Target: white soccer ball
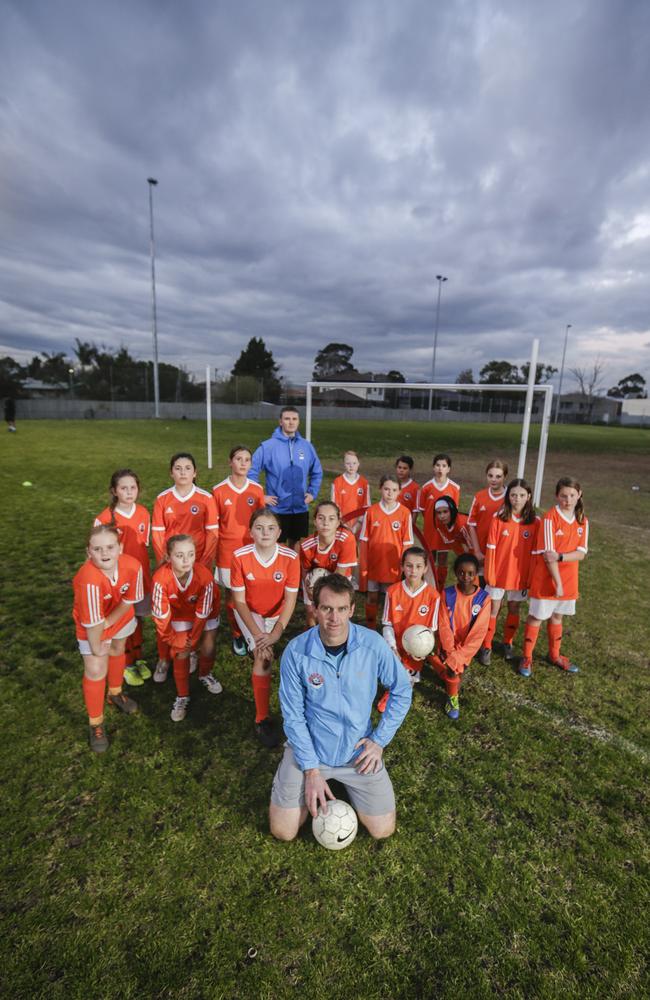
(314, 575)
(338, 828)
(418, 641)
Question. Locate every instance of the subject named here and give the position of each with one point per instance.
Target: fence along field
(519, 867)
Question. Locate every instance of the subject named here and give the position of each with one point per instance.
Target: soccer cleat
(211, 683)
(525, 666)
(239, 646)
(97, 738)
(452, 707)
(508, 652)
(564, 663)
(160, 673)
(194, 662)
(179, 711)
(123, 702)
(143, 669)
(484, 656)
(383, 701)
(266, 734)
(414, 676)
(132, 677)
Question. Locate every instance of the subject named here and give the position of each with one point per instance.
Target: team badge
(277, 576)
(250, 501)
(422, 610)
(194, 598)
(407, 496)
(580, 530)
(194, 509)
(124, 588)
(395, 525)
(360, 491)
(526, 534)
(301, 456)
(475, 610)
(141, 529)
(334, 556)
(316, 680)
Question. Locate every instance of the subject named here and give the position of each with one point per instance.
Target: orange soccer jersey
(384, 536)
(134, 530)
(193, 603)
(557, 533)
(403, 608)
(509, 553)
(408, 495)
(484, 505)
(194, 515)
(462, 625)
(452, 538)
(234, 508)
(96, 595)
(340, 556)
(263, 584)
(350, 495)
(426, 502)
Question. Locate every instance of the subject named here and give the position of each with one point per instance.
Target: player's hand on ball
(317, 792)
(369, 760)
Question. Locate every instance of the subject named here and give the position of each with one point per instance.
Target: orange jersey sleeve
(408, 495)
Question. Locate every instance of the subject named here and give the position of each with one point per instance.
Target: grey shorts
(370, 794)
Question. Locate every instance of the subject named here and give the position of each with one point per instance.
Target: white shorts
(497, 594)
(210, 625)
(375, 587)
(124, 633)
(222, 576)
(264, 625)
(143, 607)
(542, 609)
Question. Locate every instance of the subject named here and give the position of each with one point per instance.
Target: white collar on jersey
(123, 513)
(404, 485)
(496, 496)
(238, 489)
(414, 593)
(386, 510)
(183, 499)
(569, 520)
(351, 481)
(327, 549)
(187, 582)
(266, 562)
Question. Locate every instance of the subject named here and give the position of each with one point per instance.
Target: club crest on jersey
(526, 534)
(422, 610)
(193, 599)
(250, 501)
(334, 556)
(580, 532)
(277, 576)
(360, 491)
(407, 496)
(475, 610)
(124, 588)
(395, 525)
(316, 680)
(194, 509)
(301, 456)
(141, 528)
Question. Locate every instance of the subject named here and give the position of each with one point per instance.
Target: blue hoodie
(292, 469)
(326, 700)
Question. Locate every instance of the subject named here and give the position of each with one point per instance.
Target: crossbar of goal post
(547, 391)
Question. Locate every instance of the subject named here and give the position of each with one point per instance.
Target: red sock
(371, 614)
(510, 627)
(452, 685)
(129, 656)
(182, 676)
(164, 652)
(441, 576)
(136, 642)
(531, 635)
(262, 695)
(554, 632)
(489, 635)
(205, 665)
(94, 692)
(116, 665)
(232, 621)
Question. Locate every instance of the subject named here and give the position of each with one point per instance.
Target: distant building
(576, 408)
(36, 389)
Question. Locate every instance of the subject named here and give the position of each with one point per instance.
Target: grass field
(520, 863)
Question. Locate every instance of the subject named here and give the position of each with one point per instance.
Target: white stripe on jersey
(549, 536)
(157, 602)
(93, 600)
(287, 552)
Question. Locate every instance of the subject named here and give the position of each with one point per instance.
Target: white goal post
(529, 390)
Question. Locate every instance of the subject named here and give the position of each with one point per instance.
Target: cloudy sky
(319, 162)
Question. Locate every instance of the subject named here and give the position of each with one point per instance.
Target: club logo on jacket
(316, 680)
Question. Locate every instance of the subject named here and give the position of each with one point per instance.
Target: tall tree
(257, 361)
(500, 373)
(465, 377)
(12, 375)
(589, 381)
(631, 387)
(333, 360)
(543, 373)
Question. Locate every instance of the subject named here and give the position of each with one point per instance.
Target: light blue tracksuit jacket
(292, 469)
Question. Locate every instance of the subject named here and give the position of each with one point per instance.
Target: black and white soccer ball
(338, 828)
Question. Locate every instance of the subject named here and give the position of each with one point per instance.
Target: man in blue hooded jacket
(328, 681)
(293, 475)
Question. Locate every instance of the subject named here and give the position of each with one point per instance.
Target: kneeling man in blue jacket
(328, 681)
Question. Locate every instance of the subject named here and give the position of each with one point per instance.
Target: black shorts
(294, 527)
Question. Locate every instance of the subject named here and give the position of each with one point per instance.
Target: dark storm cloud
(318, 165)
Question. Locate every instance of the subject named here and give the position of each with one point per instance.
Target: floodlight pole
(559, 391)
(151, 181)
(439, 278)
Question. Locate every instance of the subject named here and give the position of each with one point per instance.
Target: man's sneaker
(239, 646)
(194, 662)
(160, 673)
(452, 707)
(508, 652)
(123, 702)
(211, 683)
(525, 666)
(179, 711)
(132, 677)
(143, 669)
(484, 656)
(266, 734)
(383, 701)
(98, 738)
(564, 663)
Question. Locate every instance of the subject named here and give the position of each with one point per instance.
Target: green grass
(520, 864)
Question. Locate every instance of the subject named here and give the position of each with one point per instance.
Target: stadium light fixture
(440, 278)
(152, 182)
(559, 391)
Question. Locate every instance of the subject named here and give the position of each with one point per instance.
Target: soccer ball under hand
(418, 641)
(338, 828)
(315, 574)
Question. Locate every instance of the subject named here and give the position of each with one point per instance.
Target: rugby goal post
(529, 389)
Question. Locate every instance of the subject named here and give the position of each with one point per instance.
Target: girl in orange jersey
(508, 562)
(408, 488)
(235, 497)
(350, 491)
(106, 589)
(185, 509)
(264, 578)
(133, 523)
(463, 620)
(386, 531)
(186, 617)
(562, 543)
(412, 601)
(332, 548)
(439, 486)
(485, 504)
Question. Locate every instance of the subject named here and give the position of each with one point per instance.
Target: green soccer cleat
(143, 669)
(132, 677)
(452, 707)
